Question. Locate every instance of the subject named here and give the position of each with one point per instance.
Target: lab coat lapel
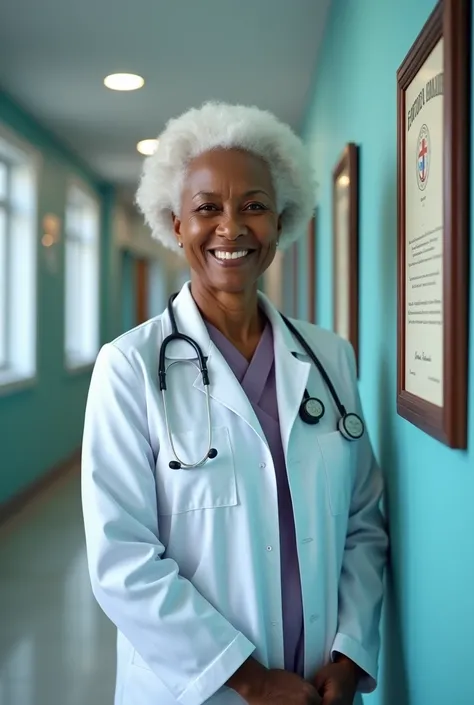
(291, 373)
(224, 387)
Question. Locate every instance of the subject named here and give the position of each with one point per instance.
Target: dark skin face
(228, 207)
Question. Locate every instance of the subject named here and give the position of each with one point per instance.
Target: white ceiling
(54, 55)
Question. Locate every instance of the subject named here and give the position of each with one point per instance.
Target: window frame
(17, 152)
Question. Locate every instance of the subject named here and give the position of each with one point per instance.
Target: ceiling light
(124, 82)
(147, 147)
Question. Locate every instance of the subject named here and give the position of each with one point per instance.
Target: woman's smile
(231, 257)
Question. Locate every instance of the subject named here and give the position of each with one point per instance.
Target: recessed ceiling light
(124, 82)
(147, 147)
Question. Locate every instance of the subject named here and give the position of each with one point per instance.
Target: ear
(177, 228)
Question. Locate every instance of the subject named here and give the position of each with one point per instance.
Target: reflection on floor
(56, 646)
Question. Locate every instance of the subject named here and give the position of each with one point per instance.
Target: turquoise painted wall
(42, 425)
(429, 616)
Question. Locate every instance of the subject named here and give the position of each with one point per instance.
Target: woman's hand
(337, 682)
(261, 686)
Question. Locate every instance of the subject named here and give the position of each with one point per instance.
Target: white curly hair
(221, 125)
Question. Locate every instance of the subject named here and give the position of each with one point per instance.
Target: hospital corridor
(236, 352)
(56, 645)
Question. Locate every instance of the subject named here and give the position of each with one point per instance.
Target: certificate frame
(450, 21)
(348, 167)
(312, 269)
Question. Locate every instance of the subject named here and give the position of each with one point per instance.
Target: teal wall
(40, 426)
(429, 616)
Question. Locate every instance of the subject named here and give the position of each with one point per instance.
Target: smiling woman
(256, 571)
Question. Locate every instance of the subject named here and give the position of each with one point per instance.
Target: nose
(231, 226)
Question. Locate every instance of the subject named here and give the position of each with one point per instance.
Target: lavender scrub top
(258, 382)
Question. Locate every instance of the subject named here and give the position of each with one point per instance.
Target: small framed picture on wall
(345, 209)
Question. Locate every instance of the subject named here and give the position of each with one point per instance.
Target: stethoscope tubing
(317, 362)
(202, 360)
(182, 463)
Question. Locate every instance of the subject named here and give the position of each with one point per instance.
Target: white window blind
(82, 277)
(18, 233)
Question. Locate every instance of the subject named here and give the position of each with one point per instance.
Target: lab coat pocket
(210, 486)
(337, 457)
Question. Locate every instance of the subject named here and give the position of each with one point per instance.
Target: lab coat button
(314, 618)
(308, 540)
(262, 466)
(269, 548)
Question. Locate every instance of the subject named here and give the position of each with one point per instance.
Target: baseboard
(17, 503)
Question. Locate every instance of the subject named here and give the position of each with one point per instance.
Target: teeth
(230, 255)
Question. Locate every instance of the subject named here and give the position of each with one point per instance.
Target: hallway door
(142, 285)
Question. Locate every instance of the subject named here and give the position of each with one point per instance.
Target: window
(18, 230)
(82, 277)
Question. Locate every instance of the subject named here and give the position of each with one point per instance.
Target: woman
(257, 573)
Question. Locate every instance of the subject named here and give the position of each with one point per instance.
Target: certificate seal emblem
(423, 157)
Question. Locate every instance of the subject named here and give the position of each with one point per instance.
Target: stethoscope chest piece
(311, 410)
(351, 427)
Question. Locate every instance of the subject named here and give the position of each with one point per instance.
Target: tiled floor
(56, 646)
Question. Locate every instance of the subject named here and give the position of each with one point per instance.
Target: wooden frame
(142, 283)
(312, 270)
(346, 175)
(448, 423)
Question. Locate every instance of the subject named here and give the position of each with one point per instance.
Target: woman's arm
(361, 582)
(189, 646)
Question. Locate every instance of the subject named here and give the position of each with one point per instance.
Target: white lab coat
(186, 563)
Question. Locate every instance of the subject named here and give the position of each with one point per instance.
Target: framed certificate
(346, 246)
(433, 235)
(312, 270)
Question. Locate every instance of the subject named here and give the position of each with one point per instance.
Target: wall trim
(18, 502)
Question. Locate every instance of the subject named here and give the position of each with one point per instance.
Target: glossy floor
(56, 646)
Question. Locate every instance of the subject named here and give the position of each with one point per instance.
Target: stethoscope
(311, 411)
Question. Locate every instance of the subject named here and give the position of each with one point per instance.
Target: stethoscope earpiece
(176, 465)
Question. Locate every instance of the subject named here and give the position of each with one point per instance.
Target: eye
(255, 206)
(207, 208)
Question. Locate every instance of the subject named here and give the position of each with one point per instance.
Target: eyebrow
(212, 194)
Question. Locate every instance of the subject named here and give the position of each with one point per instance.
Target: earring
(180, 244)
